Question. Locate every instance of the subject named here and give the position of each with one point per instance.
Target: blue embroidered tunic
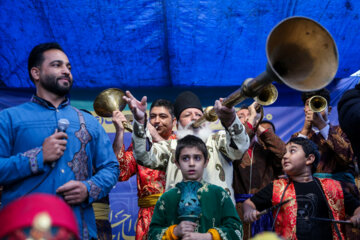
(88, 156)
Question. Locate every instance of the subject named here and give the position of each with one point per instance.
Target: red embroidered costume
(150, 184)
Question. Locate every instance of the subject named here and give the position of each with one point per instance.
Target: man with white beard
(223, 146)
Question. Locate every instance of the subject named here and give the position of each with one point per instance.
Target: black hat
(349, 116)
(186, 100)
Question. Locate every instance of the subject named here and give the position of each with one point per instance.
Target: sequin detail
(32, 155)
(79, 163)
(94, 190)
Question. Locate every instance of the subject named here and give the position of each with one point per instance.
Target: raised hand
(225, 114)
(254, 116)
(308, 122)
(138, 108)
(318, 121)
(154, 134)
(117, 119)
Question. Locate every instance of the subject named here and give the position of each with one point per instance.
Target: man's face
(191, 163)
(161, 119)
(294, 160)
(188, 115)
(55, 73)
(243, 115)
(324, 113)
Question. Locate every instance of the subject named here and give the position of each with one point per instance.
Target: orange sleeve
(127, 162)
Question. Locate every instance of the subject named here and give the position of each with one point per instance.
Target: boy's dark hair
(36, 56)
(163, 103)
(190, 141)
(309, 147)
(269, 122)
(322, 92)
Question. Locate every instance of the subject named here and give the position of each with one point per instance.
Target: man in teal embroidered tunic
(194, 209)
(77, 164)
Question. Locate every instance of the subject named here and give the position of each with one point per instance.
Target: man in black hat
(223, 146)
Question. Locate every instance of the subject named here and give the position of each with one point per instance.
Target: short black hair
(164, 103)
(190, 141)
(309, 147)
(322, 92)
(269, 122)
(36, 56)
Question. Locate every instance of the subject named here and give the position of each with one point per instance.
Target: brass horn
(267, 96)
(317, 103)
(108, 101)
(300, 53)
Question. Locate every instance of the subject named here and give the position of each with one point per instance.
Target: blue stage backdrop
(286, 113)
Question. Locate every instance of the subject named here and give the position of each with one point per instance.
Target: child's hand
(251, 216)
(197, 236)
(184, 227)
(355, 221)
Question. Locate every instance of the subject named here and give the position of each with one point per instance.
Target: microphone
(63, 124)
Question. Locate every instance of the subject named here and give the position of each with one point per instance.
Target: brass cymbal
(108, 101)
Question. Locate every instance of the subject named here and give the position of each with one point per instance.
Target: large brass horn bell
(300, 53)
(109, 100)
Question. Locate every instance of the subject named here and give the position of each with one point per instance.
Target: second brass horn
(300, 53)
(317, 103)
(108, 101)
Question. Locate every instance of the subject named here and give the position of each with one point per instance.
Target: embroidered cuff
(139, 129)
(236, 128)
(215, 235)
(33, 159)
(93, 190)
(169, 234)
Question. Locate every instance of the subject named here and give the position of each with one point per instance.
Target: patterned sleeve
(158, 155)
(339, 143)
(128, 166)
(159, 225)
(274, 144)
(105, 165)
(22, 165)
(234, 142)
(230, 224)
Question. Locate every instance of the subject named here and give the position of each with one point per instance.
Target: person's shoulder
(169, 194)
(16, 109)
(89, 118)
(208, 187)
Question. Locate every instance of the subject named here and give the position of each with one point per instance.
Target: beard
(51, 84)
(202, 132)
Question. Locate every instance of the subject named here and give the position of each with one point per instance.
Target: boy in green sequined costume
(216, 217)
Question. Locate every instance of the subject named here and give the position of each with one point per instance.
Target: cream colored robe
(223, 147)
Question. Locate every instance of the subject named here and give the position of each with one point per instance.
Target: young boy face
(294, 162)
(191, 163)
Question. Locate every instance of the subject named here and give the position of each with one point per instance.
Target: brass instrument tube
(250, 88)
